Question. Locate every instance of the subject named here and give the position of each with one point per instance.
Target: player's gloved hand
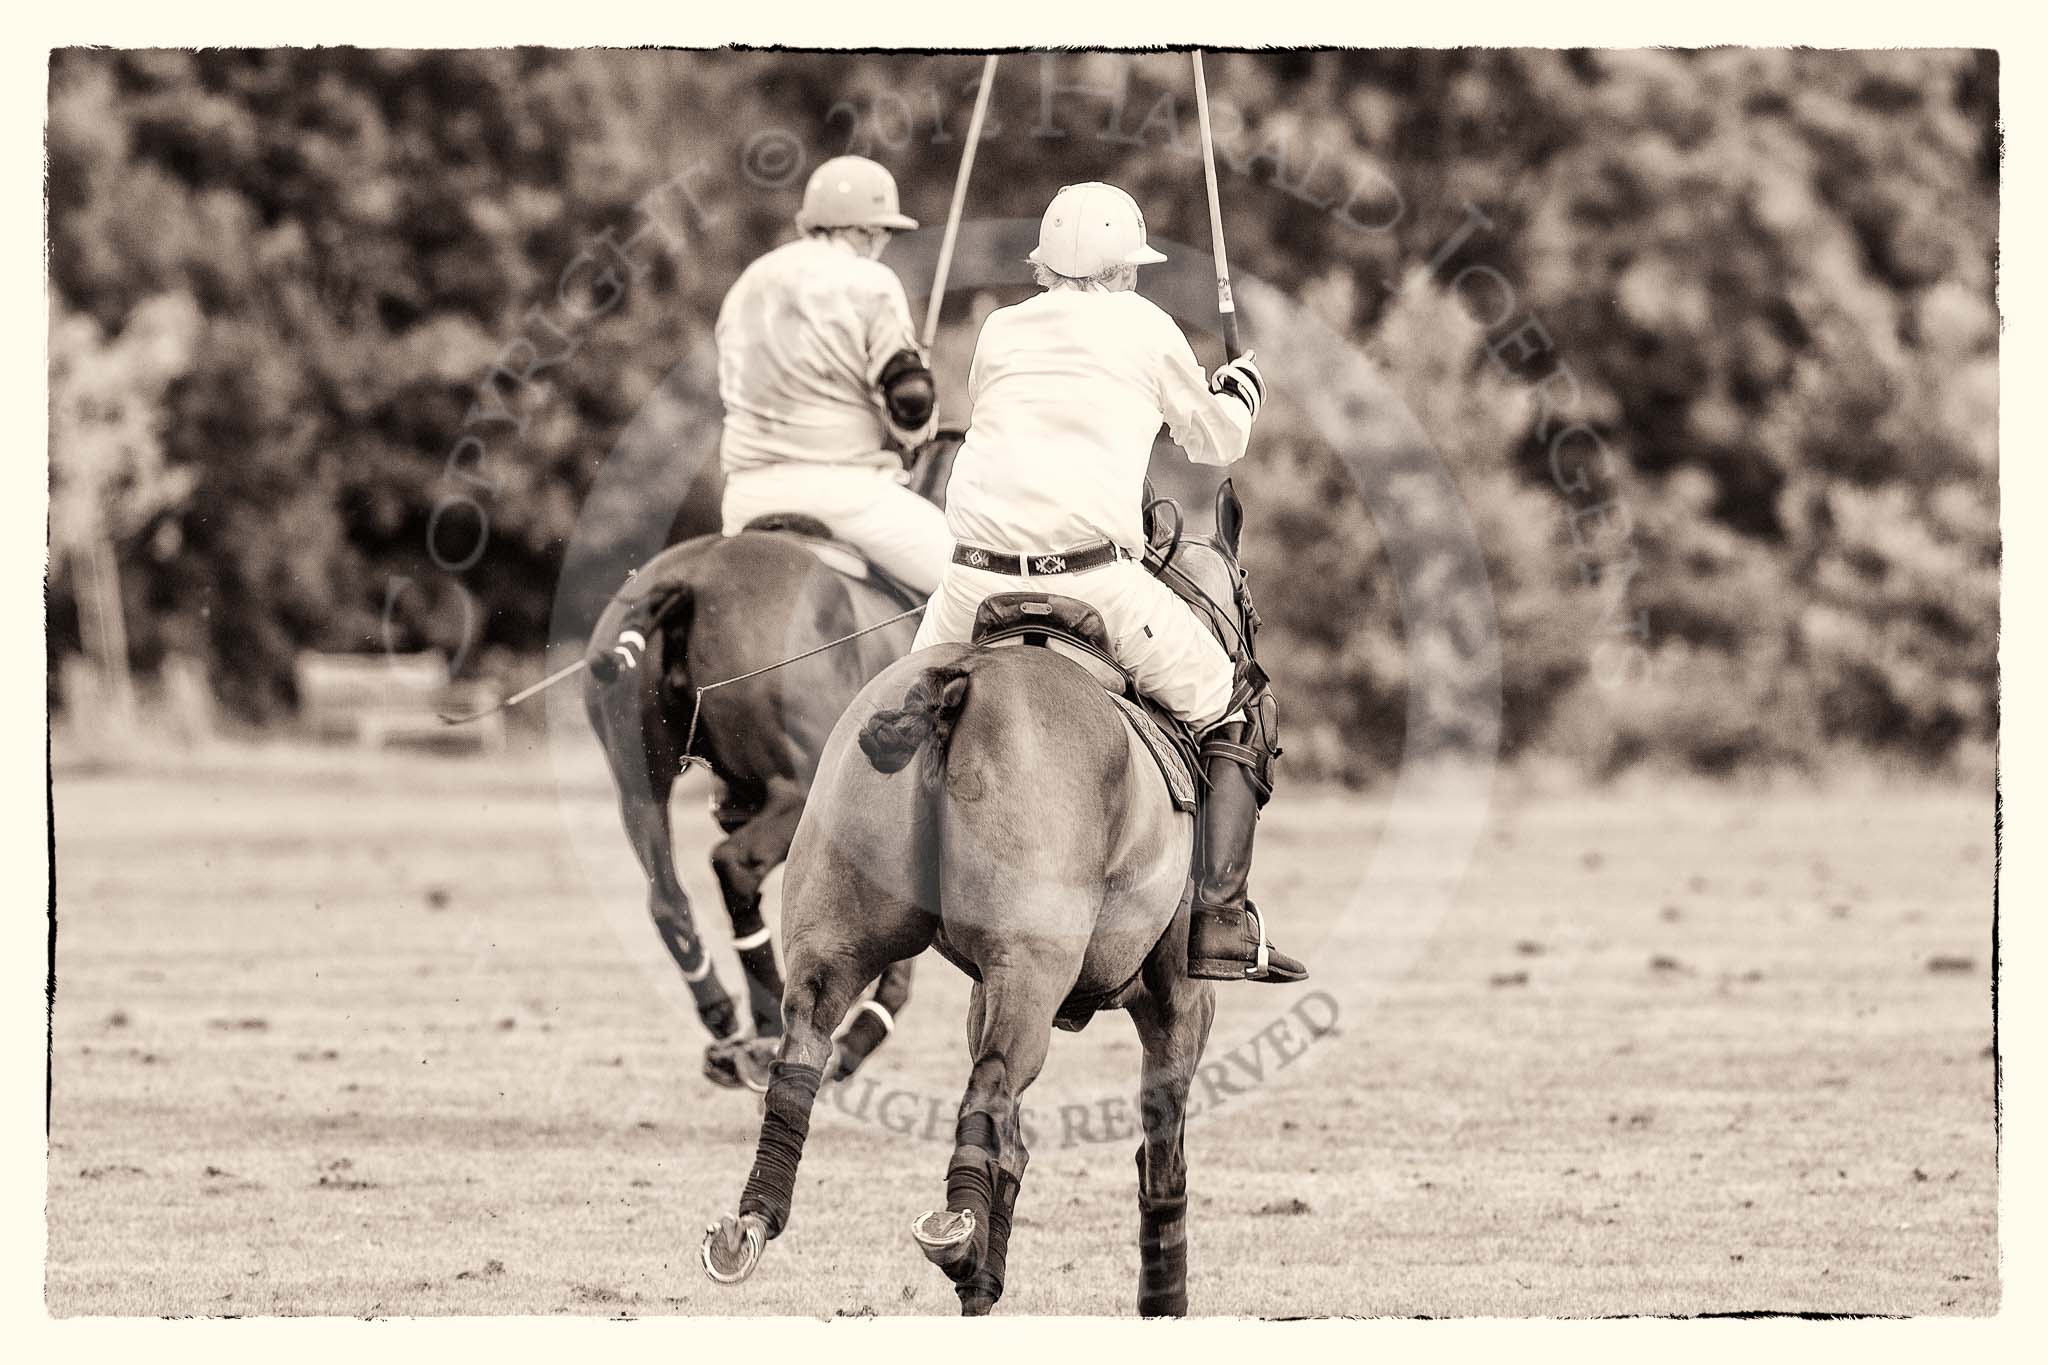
(1241, 380)
(911, 401)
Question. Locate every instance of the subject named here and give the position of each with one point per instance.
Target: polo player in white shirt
(1068, 390)
(823, 380)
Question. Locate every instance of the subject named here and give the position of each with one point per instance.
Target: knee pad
(1265, 737)
(1252, 743)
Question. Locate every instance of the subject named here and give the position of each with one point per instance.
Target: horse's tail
(618, 651)
(925, 721)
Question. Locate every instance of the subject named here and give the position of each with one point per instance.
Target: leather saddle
(1066, 625)
(834, 553)
(931, 467)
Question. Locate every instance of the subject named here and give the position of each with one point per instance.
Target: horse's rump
(647, 601)
(1041, 811)
(716, 608)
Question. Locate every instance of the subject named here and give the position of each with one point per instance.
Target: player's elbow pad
(908, 391)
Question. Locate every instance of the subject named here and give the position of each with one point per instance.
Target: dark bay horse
(710, 609)
(991, 802)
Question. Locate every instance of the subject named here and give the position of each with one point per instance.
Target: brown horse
(711, 609)
(992, 802)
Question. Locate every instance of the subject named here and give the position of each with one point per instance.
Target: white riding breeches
(865, 506)
(1154, 634)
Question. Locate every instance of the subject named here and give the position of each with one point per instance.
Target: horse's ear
(1229, 518)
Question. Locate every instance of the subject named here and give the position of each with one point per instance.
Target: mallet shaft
(931, 310)
(1225, 304)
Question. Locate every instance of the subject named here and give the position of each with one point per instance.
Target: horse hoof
(732, 1247)
(945, 1236)
(720, 1068)
(752, 1060)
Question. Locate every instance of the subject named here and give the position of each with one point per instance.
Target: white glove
(1241, 380)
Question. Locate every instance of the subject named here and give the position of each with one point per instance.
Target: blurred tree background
(281, 279)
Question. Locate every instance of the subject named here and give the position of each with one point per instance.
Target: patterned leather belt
(1034, 566)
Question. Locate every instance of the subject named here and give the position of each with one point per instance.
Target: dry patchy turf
(372, 1036)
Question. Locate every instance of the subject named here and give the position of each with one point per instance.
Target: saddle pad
(840, 558)
(1173, 766)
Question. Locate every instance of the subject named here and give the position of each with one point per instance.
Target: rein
(697, 705)
(1225, 619)
(1251, 679)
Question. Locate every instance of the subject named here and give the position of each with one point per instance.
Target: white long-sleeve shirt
(803, 336)
(1068, 390)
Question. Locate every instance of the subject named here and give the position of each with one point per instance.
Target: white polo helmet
(1090, 227)
(851, 191)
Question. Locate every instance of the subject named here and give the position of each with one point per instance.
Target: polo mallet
(1225, 304)
(562, 674)
(931, 311)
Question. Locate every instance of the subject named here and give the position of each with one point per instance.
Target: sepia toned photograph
(1335, 682)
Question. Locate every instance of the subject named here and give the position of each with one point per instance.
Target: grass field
(381, 1035)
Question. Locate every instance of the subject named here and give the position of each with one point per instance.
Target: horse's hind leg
(743, 862)
(981, 1290)
(640, 747)
(1009, 1033)
(822, 987)
(646, 818)
(1173, 1025)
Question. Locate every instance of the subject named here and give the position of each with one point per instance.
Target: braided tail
(924, 722)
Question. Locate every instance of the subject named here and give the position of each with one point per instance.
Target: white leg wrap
(881, 1012)
(753, 940)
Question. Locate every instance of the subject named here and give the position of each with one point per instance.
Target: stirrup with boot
(1226, 934)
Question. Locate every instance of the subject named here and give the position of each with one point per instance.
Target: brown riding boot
(1227, 935)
